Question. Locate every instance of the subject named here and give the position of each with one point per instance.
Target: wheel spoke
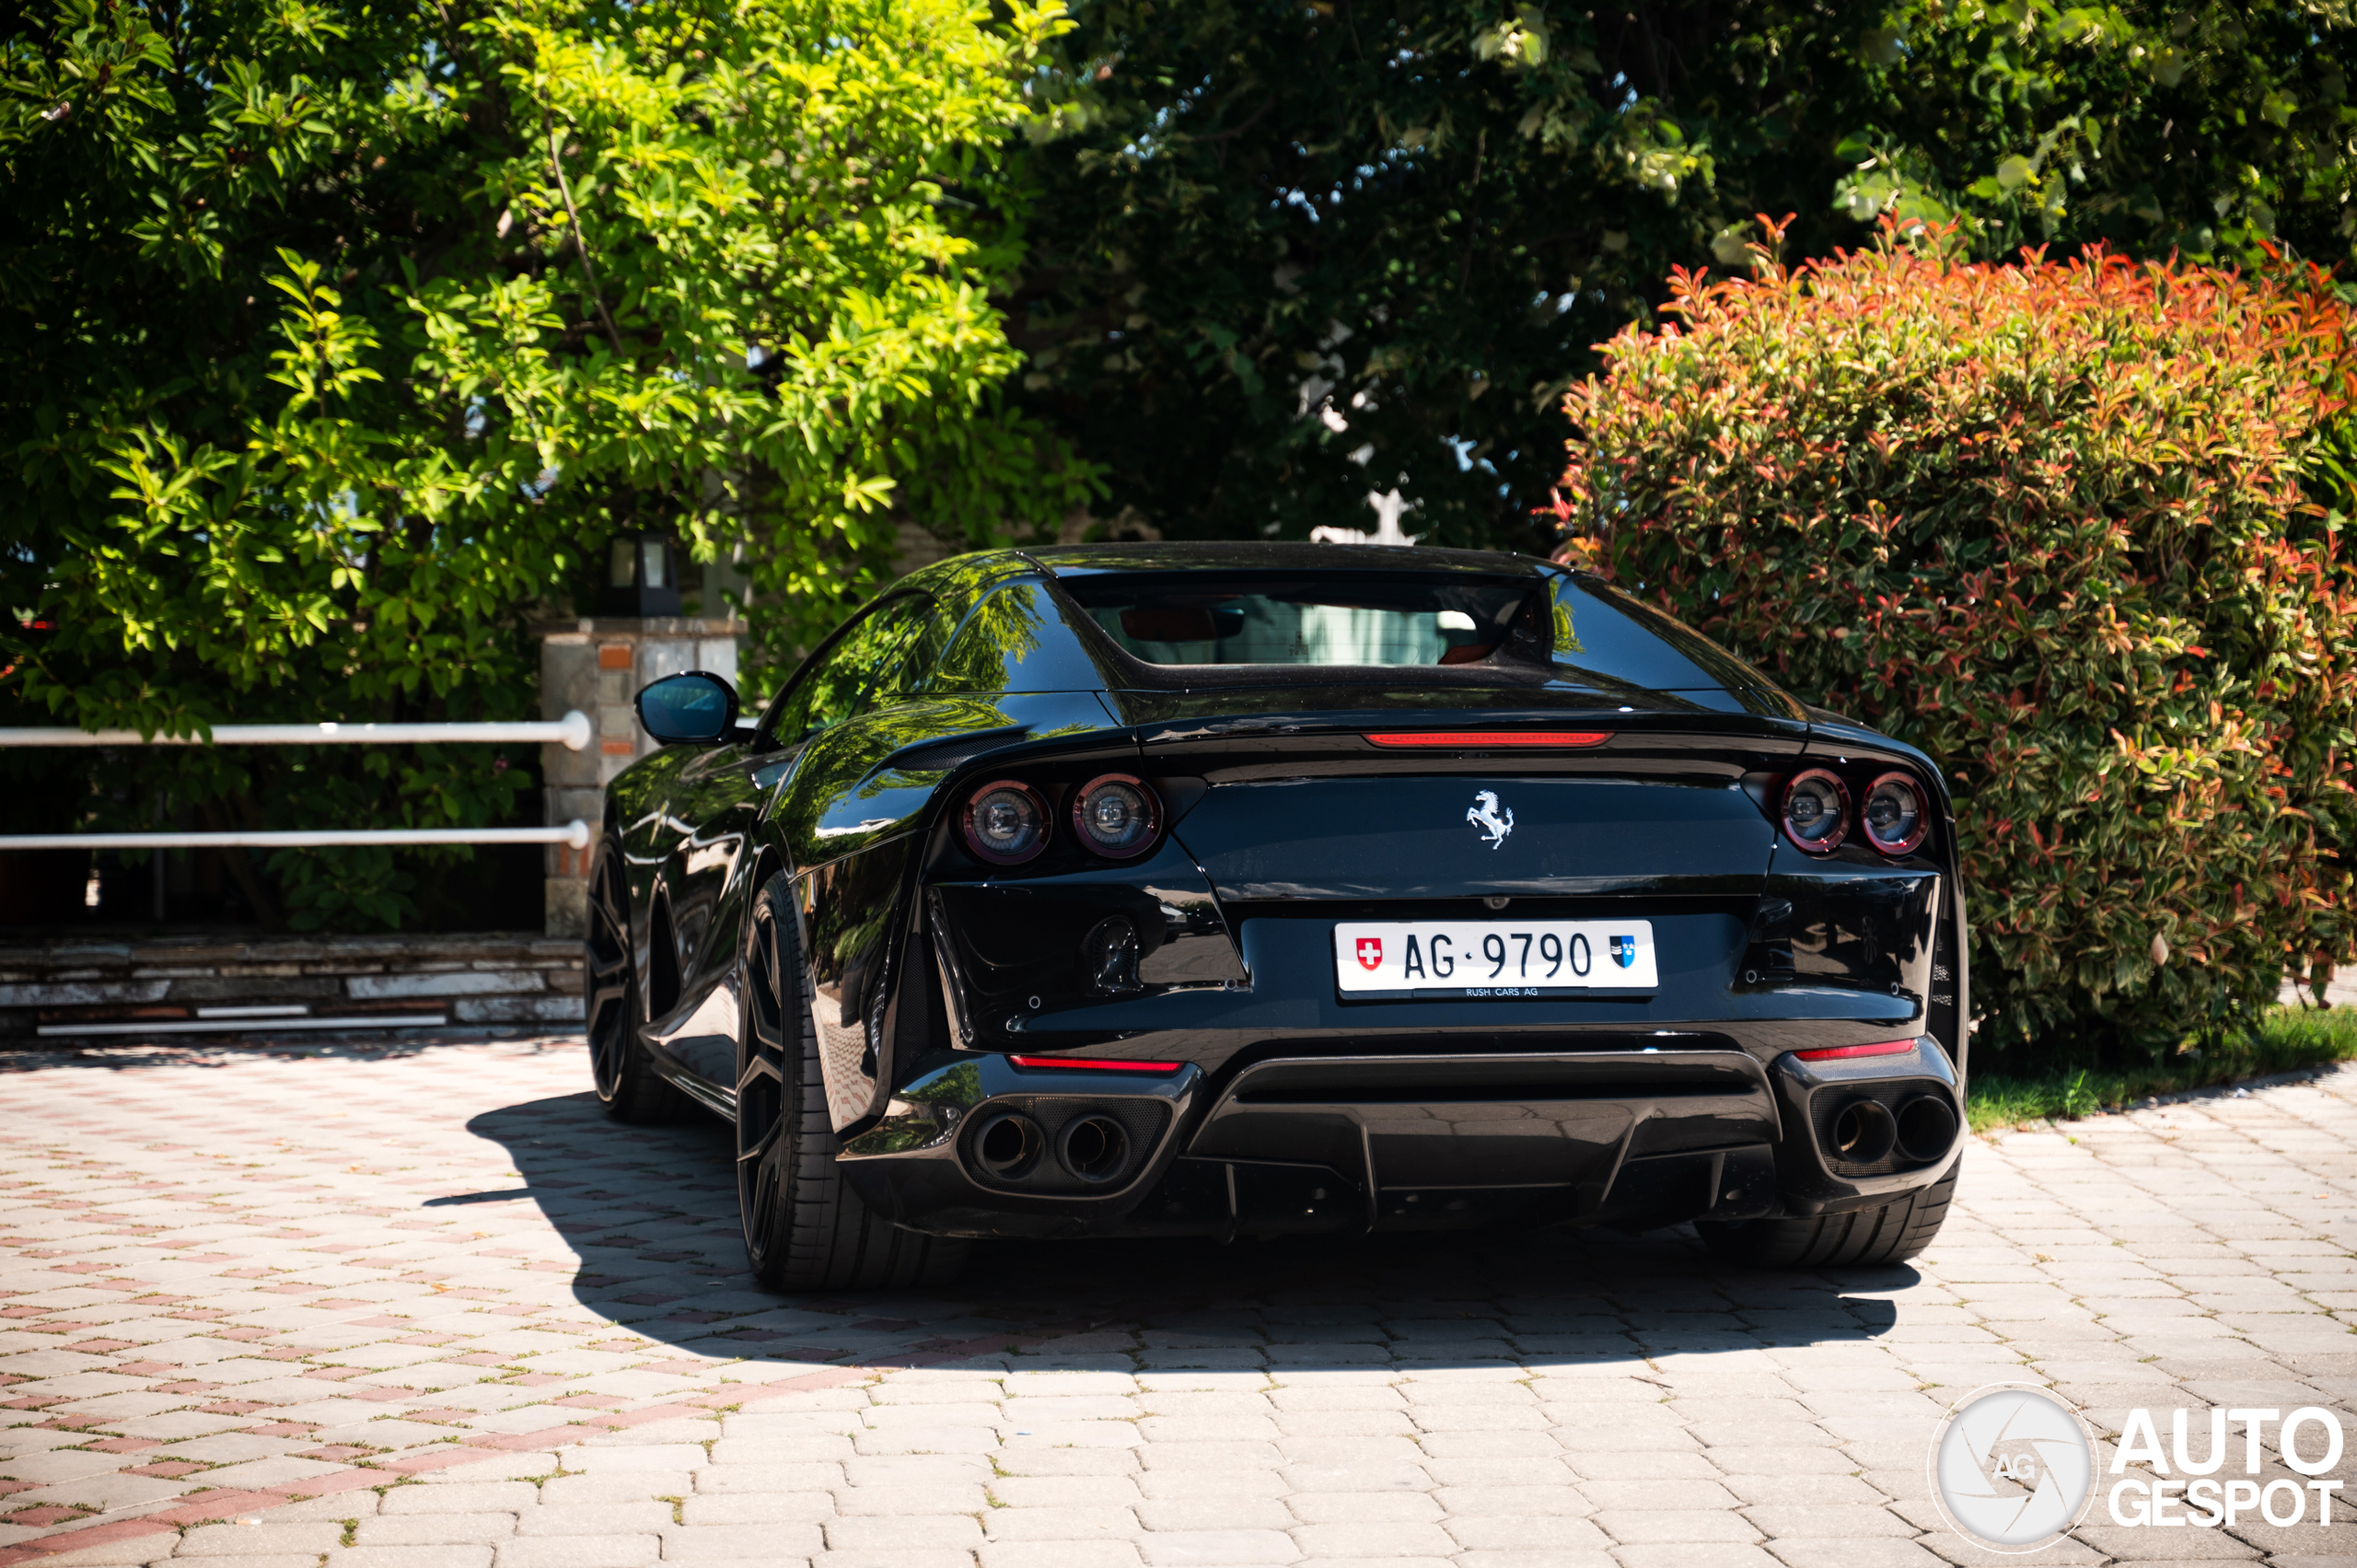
(762, 982)
(607, 978)
(761, 1215)
(603, 1068)
(760, 1150)
(604, 900)
(766, 1043)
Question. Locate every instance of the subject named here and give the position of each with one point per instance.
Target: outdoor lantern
(641, 576)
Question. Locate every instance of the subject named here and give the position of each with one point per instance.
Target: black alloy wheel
(804, 1229)
(1887, 1233)
(627, 1082)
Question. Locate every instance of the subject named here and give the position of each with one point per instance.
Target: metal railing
(575, 833)
(573, 732)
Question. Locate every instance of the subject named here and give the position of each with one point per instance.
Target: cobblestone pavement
(423, 1305)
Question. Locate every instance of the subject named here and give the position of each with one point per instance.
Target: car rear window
(1385, 619)
(1575, 627)
(1016, 639)
(1600, 631)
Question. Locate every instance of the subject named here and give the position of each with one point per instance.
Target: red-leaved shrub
(2046, 522)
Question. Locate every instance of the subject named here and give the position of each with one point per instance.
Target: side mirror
(694, 709)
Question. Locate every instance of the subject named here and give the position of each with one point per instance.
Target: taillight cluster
(1894, 817)
(1007, 822)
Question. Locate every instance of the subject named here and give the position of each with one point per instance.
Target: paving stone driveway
(385, 1306)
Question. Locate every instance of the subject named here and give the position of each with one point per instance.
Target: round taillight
(1117, 816)
(1817, 811)
(1006, 823)
(1896, 815)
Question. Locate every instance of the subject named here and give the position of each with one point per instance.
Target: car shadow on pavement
(651, 1214)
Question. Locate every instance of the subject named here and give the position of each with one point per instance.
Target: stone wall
(69, 985)
(598, 667)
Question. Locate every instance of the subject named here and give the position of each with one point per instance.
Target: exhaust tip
(1926, 1128)
(1863, 1132)
(1008, 1145)
(1095, 1149)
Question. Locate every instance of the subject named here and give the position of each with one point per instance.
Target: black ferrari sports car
(1224, 891)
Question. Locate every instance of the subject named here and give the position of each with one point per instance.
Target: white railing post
(572, 732)
(562, 737)
(577, 834)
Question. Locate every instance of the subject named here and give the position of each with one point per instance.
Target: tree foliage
(343, 336)
(1284, 255)
(2213, 130)
(2046, 522)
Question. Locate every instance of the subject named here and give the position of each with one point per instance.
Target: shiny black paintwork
(1297, 1109)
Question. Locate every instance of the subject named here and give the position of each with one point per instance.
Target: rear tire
(1887, 1233)
(627, 1082)
(804, 1229)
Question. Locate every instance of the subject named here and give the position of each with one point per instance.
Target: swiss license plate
(1493, 957)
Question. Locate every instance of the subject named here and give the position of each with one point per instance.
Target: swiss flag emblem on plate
(1370, 952)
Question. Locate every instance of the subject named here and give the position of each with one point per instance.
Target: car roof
(1080, 560)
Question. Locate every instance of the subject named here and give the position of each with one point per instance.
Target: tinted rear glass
(866, 666)
(1572, 627)
(1384, 619)
(1599, 630)
(1016, 639)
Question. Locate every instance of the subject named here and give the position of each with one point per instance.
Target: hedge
(2047, 522)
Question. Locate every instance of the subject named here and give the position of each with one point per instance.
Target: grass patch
(2286, 1039)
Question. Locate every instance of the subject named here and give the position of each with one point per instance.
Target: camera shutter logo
(2013, 1467)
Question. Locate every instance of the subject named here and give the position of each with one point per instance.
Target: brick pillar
(598, 667)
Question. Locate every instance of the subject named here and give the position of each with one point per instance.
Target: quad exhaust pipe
(1926, 1128)
(1092, 1148)
(1095, 1149)
(1865, 1131)
(1008, 1145)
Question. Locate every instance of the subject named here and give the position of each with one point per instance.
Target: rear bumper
(1291, 1145)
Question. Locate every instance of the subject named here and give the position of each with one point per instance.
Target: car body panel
(1287, 1105)
(1306, 838)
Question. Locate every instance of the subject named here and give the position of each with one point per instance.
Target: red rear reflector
(1487, 738)
(1844, 1052)
(1098, 1064)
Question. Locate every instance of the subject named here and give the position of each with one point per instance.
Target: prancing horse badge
(1491, 819)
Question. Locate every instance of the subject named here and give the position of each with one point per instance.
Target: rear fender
(878, 776)
(1858, 919)
(845, 911)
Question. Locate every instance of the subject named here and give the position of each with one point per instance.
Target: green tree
(1286, 255)
(2212, 130)
(341, 337)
